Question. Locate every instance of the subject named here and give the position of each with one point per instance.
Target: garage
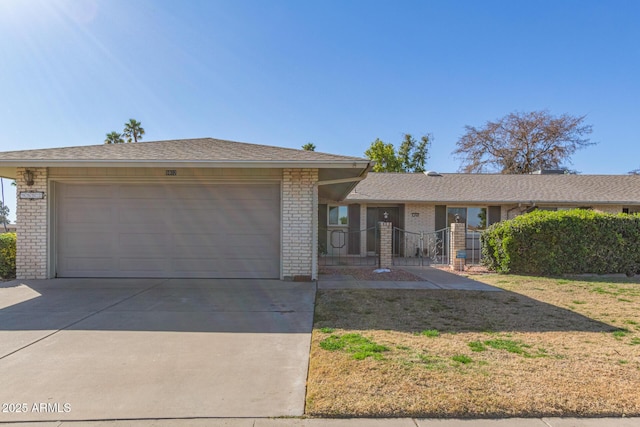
(185, 230)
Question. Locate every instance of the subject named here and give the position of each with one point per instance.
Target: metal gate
(420, 248)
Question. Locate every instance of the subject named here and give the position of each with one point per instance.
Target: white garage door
(150, 230)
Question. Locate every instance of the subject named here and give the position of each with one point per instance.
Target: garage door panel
(147, 230)
(142, 191)
(141, 215)
(96, 192)
(142, 265)
(88, 266)
(150, 244)
(89, 244)
(97, 214)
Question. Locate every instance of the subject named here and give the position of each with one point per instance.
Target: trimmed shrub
(564, 242)
(8, 255)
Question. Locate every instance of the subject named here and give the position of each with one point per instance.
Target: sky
(335, 73)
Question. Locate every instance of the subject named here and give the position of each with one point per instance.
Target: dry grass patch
(530, 351)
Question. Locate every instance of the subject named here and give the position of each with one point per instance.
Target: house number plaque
(32, 195)
(171, 172)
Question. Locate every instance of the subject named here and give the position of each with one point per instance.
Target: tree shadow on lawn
(447, 311)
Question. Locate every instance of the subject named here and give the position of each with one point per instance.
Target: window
(338, 215)
(475, 218)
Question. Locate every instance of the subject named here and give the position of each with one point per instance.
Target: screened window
(338, 215)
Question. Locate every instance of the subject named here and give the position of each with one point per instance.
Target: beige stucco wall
(32, 227)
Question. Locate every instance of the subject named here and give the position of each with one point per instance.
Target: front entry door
(375, 215)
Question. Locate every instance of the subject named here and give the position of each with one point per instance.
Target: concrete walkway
(354, 422)
(433, 278)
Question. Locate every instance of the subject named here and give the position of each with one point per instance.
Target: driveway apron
(94, 349)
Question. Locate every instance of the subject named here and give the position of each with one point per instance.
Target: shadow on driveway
(189, 305)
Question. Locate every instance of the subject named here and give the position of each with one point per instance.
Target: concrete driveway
(92, 349)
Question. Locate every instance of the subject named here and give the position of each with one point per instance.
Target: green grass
(477, 346)
(620, 333)
(327, 330)
(512, 346)
(431, 333)
(634, 341)
(461, 358)
(360, 347)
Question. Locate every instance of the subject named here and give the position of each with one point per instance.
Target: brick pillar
(31, 214)
(298, 209)
(457, 242)
(385, 249)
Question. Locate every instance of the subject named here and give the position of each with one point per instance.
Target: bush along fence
(564, 242)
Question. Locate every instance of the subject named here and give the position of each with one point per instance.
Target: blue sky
(336, 73)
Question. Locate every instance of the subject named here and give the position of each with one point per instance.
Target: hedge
(8, 255)
(564, 242)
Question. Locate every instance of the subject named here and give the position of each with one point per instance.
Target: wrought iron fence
(420, 248)
(474, 247)
(338, 246)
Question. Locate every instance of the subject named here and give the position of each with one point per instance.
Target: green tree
(411, 156)
(114, 138)
(309, 146)
(133, 131)
(521, 143)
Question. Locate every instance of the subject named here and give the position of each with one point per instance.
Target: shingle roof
(185, 150)
(495, 188)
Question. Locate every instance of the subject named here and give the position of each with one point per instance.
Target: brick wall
(457, 242)
(425, 219)
(298, 211)
(385, 245)
(31, 214)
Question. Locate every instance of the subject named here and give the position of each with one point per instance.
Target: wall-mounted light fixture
(28, 177)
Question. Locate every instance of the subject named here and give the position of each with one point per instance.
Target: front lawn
(544, 347)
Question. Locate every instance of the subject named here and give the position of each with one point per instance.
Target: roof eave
(322, 164)
(495, 202)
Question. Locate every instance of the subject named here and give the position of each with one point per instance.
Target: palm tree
(114, 138)
(133, 130)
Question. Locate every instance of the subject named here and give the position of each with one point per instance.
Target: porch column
(32, 224)
(457, 243)
(385, 242)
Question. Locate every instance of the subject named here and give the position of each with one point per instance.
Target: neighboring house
(179, 209)
(428, 202)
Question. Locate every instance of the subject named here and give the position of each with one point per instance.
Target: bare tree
(521, 143)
